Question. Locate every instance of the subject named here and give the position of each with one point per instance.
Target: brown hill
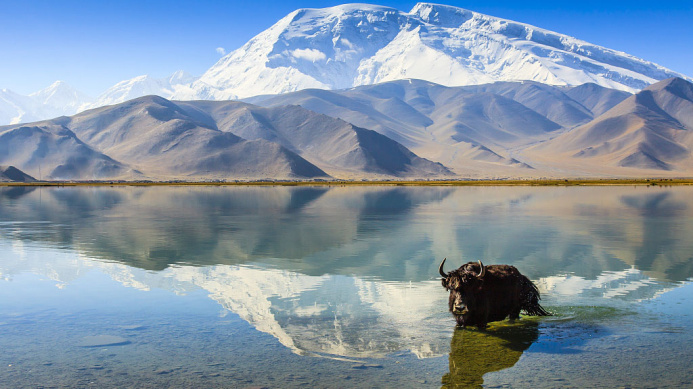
(154, 138)
(475, 130)
(651, 131)
(49, 150)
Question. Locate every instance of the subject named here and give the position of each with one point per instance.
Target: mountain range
(651, 130)
(523, 129)
(358, 44)
(360, 91)
(475, 130)
(151, 137)
(398, 129)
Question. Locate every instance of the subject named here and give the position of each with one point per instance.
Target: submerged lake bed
(327, 286)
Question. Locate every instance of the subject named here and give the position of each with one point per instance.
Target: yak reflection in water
(474, 353)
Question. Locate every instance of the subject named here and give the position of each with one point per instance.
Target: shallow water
(338, 286)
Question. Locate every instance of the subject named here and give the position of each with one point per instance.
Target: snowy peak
(309, 48)
(14, 107)
(616, 69)
(144, 85)
(356, 44)
(342, 34)
(56, 100)
(59, 95)
(132, 88)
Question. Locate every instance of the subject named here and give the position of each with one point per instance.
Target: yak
(481, 294)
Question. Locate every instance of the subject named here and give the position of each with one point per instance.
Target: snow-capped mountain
(15, 107)
(143, 85)
(357, 44)
(61, 98)
(56, 100)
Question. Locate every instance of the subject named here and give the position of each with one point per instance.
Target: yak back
(503, 286)
(494, 273)
(506, 286)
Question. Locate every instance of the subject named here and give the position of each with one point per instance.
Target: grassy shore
(490, 182)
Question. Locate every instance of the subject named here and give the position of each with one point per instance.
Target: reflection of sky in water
(350, 273)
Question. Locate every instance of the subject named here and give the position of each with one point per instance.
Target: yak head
(464, 285)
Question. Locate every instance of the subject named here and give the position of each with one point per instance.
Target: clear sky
(94, 44)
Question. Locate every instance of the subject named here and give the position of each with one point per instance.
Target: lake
(327, 286)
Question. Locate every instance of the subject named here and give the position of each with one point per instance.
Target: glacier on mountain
(356, 44)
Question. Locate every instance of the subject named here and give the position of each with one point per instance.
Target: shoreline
(484, 182)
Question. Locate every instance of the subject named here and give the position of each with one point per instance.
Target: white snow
(309, 54)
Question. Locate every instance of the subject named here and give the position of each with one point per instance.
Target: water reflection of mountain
(389, 233)
(475, 353)
(15, 192)
(153, 228)
(326, 315)
(662, 225)
(330, 316)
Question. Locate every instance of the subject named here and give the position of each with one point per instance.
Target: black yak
(481, 294)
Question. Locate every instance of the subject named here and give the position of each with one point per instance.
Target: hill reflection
(392, 233)
(153, 228)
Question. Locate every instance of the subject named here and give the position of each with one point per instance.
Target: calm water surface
(338, 287)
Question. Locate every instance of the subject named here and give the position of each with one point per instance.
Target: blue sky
(94, 44)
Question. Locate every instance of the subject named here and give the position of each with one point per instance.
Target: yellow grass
(490, 182)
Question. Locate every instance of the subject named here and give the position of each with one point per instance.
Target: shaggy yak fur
(481, 294)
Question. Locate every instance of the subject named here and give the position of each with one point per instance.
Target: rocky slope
(649, 131)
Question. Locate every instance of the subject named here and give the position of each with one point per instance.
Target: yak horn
(482, 273)
(440, 269)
